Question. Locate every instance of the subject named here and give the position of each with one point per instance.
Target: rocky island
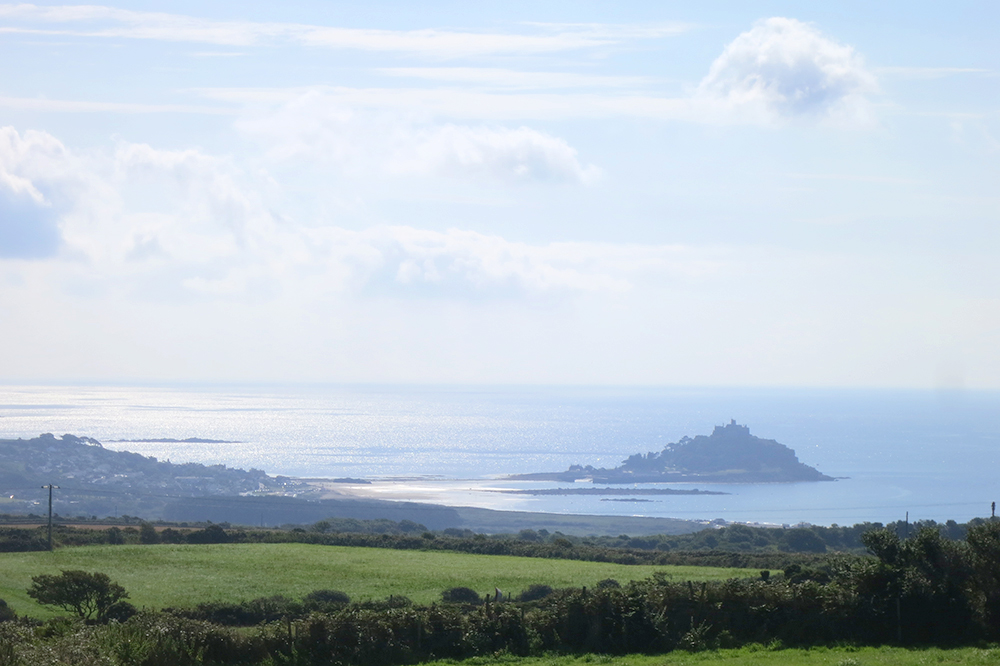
(729, 455)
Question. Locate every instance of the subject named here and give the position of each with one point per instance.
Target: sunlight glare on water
(902, 450)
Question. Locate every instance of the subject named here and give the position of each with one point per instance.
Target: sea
(895, 454)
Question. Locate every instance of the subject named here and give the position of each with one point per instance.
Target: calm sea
(934, 455)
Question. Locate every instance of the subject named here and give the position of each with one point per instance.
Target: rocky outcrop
(729, 455)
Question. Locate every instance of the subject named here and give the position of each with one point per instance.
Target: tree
(211, 534)
(148, 535)
(984, 545)
(90, 595)
(917, 584)
(801, 540)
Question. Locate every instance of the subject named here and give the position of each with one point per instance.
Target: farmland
(184, 575)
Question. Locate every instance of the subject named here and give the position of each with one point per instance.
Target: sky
(795, 194)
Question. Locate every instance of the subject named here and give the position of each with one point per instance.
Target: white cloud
(493, 152)
(780, 69)
(110, 22)
(319, 126)
(39, 179)
(185, 223)
(784, 68)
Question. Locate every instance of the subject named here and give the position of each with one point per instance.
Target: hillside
(83, 461)
(95, 481)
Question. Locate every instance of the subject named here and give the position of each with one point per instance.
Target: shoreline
(485, 507)
(502, 512)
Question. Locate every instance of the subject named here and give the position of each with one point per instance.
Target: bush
(535, 592)
(608, 583)
(325, 600)
(6, 613)
(242, 614)
(393, 601)
(460, 595)
(120, 611)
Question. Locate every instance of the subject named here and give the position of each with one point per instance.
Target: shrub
(120, 611)
(608, 583)
(460, 595)
(6, 613)
(325, 600)
(389, 603)
(244, 613)
(535, 592)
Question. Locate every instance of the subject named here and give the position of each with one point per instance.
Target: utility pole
(50, 487)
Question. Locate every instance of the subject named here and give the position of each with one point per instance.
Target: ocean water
(934, 455)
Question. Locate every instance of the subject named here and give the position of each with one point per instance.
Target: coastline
(483, 506)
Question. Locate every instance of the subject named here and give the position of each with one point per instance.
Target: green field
(184, 575)
(760, 656)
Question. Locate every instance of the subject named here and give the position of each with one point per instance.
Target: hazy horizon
(788, 194)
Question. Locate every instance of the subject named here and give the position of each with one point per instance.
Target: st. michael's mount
(729, 455)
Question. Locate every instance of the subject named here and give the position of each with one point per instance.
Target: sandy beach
(482, 493)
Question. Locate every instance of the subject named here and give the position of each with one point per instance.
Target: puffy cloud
(359, 138)
(786, 68)
(180, 224)
(495, 152)
(780, 69)
(27, 226)
(33, 179)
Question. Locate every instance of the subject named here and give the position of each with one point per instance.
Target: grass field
(759, 656)
(184, 575)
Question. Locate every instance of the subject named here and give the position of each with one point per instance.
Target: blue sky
(721, 194)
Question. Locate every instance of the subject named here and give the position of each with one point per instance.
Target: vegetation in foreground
(759, 655)
(925, 590)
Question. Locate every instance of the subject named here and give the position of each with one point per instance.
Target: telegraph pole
(50, 487)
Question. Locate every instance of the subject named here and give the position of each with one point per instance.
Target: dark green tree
(984, 544)
(916, 589)
(91, 596)
(148, 535)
